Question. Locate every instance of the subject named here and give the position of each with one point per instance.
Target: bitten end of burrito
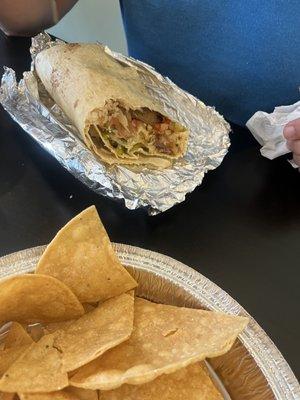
(120, 133)
(111, 107)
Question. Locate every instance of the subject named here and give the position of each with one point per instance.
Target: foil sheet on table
(33, 109)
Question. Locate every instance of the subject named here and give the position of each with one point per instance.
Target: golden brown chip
(8, 396)
(43, 367)
(69, 393)
(16, 342)
(96, 332)
(81, 256)
(16, 336)
(82, 394)
(33, 298)
(9, 356)
(55, 326)
(190, 383)
(38, 369)
(58, 395)
(164, 339)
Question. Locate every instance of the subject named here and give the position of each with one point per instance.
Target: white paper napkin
(268, 129)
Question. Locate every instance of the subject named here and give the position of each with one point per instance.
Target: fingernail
(289, 132)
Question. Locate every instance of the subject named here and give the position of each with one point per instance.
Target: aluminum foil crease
(253, 369)
(32, 108)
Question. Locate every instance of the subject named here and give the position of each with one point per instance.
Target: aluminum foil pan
(253, 369)
(31, 107)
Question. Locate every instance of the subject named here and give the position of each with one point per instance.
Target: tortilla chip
(192, 383)
(38, 369)
(37, 298)
(55, 326)
(8, 396)
(43, 367)
(82, 394)
(16, 337)
(164, 339)
(9, 356)
(69, 393)
(58, 395)
(108, 325)
(16, 342)
(81, 256)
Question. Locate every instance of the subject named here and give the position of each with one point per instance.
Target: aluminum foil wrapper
(32, 108)
(253, 369)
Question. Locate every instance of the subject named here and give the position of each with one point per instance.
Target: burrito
(110, 105)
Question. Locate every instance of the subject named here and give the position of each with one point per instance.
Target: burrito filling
(129, 133)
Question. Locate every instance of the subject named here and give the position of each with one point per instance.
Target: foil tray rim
(274, 367)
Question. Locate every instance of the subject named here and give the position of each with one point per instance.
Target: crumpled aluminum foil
(32, 108)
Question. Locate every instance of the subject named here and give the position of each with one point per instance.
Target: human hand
(292, 134)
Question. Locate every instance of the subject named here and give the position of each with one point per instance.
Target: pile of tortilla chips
(76, 331)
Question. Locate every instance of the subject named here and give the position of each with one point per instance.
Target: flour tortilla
(32, 298)
(81, 256)
(192, 383)
(84, 80)
(164, 339)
